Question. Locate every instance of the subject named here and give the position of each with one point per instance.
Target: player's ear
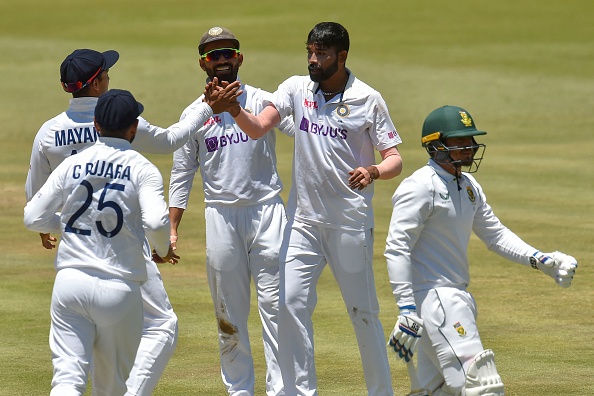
(97, 126)
(239, 59)
(132, 131)
(202, 64)
(342, 56)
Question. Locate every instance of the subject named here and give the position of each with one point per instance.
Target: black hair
(329, 35)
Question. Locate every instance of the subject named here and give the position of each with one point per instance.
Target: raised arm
(254, 126)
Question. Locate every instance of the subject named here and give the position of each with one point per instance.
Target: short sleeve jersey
(331, 139)
(235, 169)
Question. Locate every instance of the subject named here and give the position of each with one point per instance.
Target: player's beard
(229, 75)
(324, 73)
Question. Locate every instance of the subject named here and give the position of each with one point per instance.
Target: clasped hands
(222, 96)
(362, 177)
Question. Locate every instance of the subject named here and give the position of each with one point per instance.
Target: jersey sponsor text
(214, 143)
(322, 130)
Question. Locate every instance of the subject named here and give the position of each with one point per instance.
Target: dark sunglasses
(214, 55)
(77, 86)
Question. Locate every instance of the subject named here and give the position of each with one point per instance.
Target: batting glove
(407, 332)
(559, 266)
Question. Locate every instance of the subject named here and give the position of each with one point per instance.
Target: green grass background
(524, 69)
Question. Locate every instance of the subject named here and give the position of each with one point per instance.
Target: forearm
(175, 217)
(157, 140)
(391, 164)
(256, 126)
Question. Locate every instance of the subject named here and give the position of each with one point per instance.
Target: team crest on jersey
(460, 329)
(470, 194)
(343, 110)
(466, 120)
(444, 197)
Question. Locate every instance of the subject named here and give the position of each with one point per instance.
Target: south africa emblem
(470, 194)
(460, 329)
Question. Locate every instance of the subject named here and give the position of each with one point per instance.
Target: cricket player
(435, 210)
(339, 123)
(84, 74)
(110, 197)
(245, 217)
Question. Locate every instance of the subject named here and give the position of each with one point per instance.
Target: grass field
(524, 69)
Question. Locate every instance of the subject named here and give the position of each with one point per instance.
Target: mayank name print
(75, 135)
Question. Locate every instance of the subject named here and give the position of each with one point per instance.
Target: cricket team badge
(215, 31)
(343, 110)
(466, 120)
(460, 329)
(470, 194)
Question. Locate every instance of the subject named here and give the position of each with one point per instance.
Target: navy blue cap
(82, 66)
(117, 110)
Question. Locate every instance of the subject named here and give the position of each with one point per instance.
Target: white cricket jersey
(74, 130)
(431, 225)
(331, 139)
(109, 196)
(235, 169)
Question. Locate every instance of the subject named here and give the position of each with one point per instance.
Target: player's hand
(221, 97)
(559, 266)
(170, 258)
(48, 241)
(406, 334)
(362, 177)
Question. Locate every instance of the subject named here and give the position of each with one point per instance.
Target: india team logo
(460, 329)
(215, 31)
(343, 110)
(470, 194)
(466, 120)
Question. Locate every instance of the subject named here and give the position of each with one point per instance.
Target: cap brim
(111, 57)
(464, 134)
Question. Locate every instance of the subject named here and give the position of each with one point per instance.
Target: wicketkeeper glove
(559, 266)
(407, 332)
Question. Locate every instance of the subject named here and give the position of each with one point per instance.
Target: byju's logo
(218, 142)
(212, 144)
(322, 130)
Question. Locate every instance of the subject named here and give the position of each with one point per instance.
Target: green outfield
(524, 70)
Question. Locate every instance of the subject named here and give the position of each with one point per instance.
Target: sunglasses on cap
(215, 54)
(77, 86)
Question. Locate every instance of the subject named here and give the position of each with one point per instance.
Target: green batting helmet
(448, 122)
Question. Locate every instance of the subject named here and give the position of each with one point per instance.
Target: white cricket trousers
(242, 243)
(96, 320)
(304, 255)
(159, 334)
(451, 339)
